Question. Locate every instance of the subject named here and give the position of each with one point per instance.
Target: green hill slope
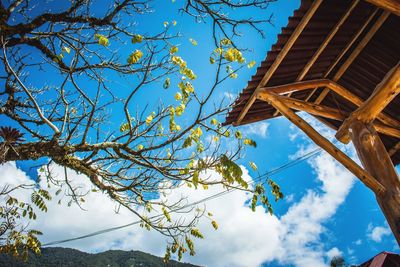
(67, 257)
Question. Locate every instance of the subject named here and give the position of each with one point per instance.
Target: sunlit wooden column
(378, 164)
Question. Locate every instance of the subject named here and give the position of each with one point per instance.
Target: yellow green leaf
(101, 39)
(178, 96)
(193, 41)
(137, 38)
(66, 49)
(253, 165)
(215, 225)
(233, 75)
(180, 109)
(251, 64)
(135, 57)
(249, 142)
(212, 60)
(225, 41)
(149, 119)
(173, 50)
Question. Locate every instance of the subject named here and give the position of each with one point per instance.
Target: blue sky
(354, 225)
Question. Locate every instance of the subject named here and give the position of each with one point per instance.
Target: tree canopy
(72, 81)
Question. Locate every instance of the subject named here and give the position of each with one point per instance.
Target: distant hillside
(52, 257)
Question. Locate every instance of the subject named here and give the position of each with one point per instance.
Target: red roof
(383, 259)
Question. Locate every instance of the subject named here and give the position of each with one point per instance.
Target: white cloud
(333, 252)
(244, 238)
(358, 242)
(256, 129)
(378, 232)
(230, 96)
(289, 198)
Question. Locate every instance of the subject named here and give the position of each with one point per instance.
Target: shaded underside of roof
(379, 56)
(383, 259)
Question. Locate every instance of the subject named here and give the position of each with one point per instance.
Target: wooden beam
(335, 152)
(383, 94)
(327, 112)
(394, 149)
(296, 86)
(314, 109)
(377, 162)
(337, 88)
(286, 48)
(386, 130)
(382, 18)
(389, 5)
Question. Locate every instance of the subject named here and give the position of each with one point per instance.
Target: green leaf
(167, 83)
(196, 233)
(238, 135)
(124, 127)
(187, 142)
(195, 179)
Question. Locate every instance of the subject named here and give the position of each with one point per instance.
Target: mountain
(67, 257)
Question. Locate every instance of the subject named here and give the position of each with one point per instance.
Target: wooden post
(377, 162)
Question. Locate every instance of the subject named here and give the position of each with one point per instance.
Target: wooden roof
(335, 33)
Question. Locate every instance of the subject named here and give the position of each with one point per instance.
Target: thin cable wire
(219, 194)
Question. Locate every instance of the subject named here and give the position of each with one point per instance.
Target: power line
(219, 194)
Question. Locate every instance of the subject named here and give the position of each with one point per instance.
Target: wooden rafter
(394, 149)
(389, 5)
(321, 141)
(325, 43)
(383, 94)
(347, 47)
(292, 39)
(350, 59)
